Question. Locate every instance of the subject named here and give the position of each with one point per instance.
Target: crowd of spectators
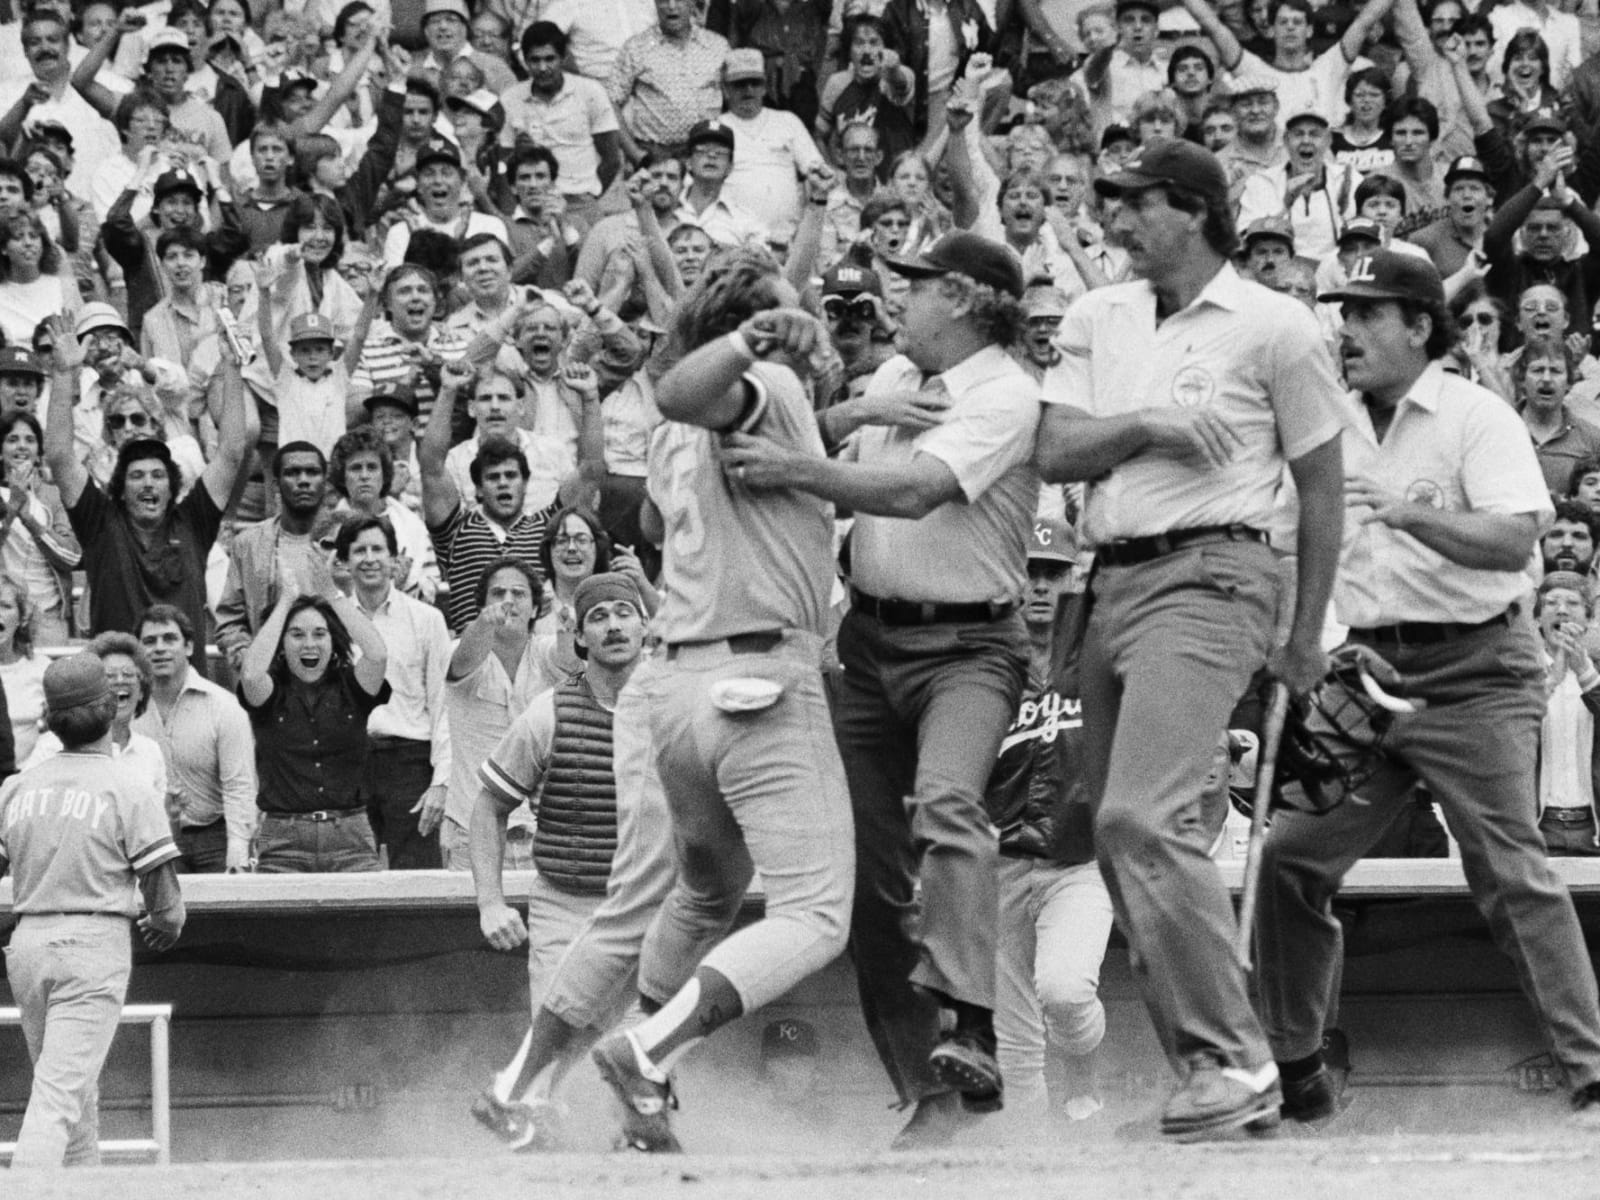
(329, 345)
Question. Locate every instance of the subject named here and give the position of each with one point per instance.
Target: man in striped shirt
(467, 538)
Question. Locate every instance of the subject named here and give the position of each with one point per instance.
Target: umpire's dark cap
(1173, 162)
(963, 253)
(1389, 275)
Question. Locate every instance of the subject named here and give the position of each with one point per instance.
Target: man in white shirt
(409, 768)
(496, 403)
(45, 93)
(1566, 735)
(711, 155)
(597, 29)
(775, 151)
(1113, 79)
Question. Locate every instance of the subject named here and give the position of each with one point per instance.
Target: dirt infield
(1551, 1165)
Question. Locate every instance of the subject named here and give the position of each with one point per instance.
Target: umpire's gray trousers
(1475, 746)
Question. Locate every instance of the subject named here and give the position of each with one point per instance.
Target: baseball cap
(1361, 227)
(1252, 83)
(178, 180)
(167, 38)
(311, 327)
(74, 680)
(1177, 20)
(1466, 167)
(15, 360)
(438, 151)
(1544, 120)
(1169, 161)
(482, 102)
(1306, 112)
(1043, 300)
(1275, 226)
(744, 64)
(51, 129)
(294, 77)
(456, 8)
(1052, 541)
(1149, 6)
(1114, 134)
(710, 131)
(963, 253)
(1389, 275)
(397, 395)
(100, 315)
(847, 279)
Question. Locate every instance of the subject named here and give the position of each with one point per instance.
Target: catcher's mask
(1332, 743)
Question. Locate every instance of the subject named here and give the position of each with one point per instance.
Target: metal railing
(157, 1147)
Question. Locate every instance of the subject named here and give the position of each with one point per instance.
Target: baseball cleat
(539, 1130)
(644, 1102)
(1217, 1102)
(495, 1115)
(962, 1061)
(1314, 1100)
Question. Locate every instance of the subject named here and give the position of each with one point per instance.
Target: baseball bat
(1266, 770)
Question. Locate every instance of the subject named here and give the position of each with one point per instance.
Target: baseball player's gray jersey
(78, 830)
(733, 566)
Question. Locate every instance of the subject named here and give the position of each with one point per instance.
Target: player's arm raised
(708, 387)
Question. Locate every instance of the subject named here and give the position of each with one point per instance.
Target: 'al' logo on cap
(1362, 272)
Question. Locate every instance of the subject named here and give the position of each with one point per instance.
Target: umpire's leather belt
(913, 612)
(1431, 633)
(319, 817)
(1129, 552)
(740, 643)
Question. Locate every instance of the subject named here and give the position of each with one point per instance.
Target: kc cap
(744, 64)
(74, 680)
(1389, 275)
(713, 131)
(1052, 541)
(847, 279)
(100, 315)
(1173, 161)
(963, 253)
(15, 360)
(311, 327)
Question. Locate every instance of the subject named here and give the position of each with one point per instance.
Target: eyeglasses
(1548, 306)
(837, 308)
(136, 420)
(579, 541)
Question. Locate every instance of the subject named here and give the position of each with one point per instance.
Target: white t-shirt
(1319, 86)
(772, 151)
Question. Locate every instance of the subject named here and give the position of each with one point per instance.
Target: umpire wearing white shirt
(1182, 397)
(1446, 504)
(935, 655)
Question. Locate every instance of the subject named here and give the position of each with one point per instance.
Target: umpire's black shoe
(1586, 1106)
(965, 1061)
(1312, 1099)
(935, 1123)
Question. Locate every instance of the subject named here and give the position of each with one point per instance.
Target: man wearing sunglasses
(859, 327)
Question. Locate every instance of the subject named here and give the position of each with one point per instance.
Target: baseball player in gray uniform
(79, 833)
(737, 710)
(1182, 397)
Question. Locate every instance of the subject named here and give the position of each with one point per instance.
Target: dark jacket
(905, 26)
(1510, 272)
(1036, 796)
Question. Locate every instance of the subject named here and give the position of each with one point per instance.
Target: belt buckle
(321, 816)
